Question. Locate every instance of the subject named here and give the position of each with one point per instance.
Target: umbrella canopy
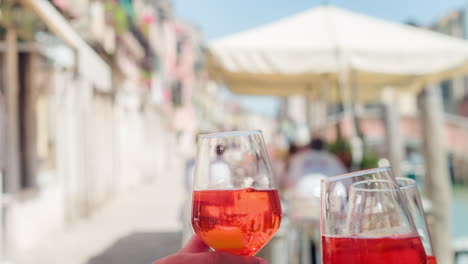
(327, 44)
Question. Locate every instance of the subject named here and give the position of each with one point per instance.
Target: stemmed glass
(365, 219)
(236, 207)
(410, 191)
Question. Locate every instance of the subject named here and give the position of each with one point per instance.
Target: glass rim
(395, 189)
(356, 173)
(411, 182)
(230, 134)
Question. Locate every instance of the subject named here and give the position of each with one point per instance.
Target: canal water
(460, 218)
(460, 211)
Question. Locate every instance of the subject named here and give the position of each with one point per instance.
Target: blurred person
(307, 169)
(220, 170)
(315, 160)
(292, 151)
(197, 252)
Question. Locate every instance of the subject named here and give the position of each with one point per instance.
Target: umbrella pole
(437, 182)
(355, 141)
(340, 100)
(308, 108)
(346, 100)
(323, 98)
(10, 60)
(356, 118)
(393, 138)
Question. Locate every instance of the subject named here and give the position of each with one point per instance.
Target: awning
(327, 44)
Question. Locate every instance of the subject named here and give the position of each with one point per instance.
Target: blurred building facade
(455, 91)
(455, 97)
(86, 136)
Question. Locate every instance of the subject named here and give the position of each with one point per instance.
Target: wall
(56, 200)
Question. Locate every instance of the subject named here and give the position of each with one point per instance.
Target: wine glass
(236, 207)
(334, 197)
(410, 190)
(340, 202)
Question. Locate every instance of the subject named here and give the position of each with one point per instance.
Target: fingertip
(195, 245)
(228, 258)
(259, 261)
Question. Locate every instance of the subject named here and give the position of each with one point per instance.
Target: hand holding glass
(236, 207)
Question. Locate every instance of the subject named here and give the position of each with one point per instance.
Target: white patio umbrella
(292, 55)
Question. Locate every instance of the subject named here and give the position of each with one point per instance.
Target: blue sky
(218, 18)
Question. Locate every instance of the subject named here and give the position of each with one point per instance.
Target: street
(138, 227)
